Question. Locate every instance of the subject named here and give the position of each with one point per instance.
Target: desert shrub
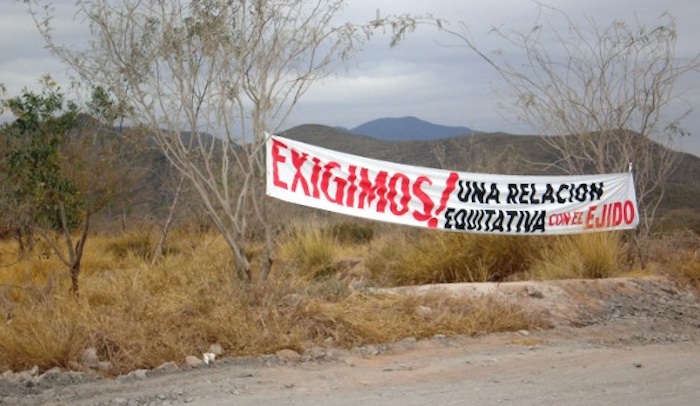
(687, 269)
(587, 256)
(678, 220)
(677, 254)
(438, 257)
(310, 250)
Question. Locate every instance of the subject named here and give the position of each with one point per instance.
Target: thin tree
(599, 95)
(209, 78)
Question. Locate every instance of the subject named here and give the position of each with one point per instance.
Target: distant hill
(407, 129)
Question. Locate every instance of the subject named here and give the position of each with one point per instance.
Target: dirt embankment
(615, 341)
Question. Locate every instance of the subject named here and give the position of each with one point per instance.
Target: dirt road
(621, 343)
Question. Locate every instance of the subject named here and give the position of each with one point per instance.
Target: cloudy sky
(428, 75)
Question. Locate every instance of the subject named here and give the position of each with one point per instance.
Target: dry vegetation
(139, 315)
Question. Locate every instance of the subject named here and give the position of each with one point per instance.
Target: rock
(54, 370)
(524, 333)
(23, 377)
(56, 377)
(168, 366)
(34, 371)
(193, 362)
(315, 353)
(208, 357)
(216, 349)
(424, 311)
(138, 374)
(50, 374)
(534, 292)
(76, 366)
(104, 366)
(89, 358)
(371, 350)
(288, 355)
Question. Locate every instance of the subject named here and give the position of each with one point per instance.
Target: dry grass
(309, 249)
(677, 254)
(438, 257)
(139, 316)
(587, 256)
(140, 244)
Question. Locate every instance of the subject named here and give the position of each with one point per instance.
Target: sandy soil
(612, 342)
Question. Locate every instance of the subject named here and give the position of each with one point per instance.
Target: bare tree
(598, 94)
(210, 78)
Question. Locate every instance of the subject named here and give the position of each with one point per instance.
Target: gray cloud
(428, 75)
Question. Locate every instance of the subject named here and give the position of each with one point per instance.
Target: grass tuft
(139, 244)
(310, 250)
(353, 232)
(434, 257)
(587, 256)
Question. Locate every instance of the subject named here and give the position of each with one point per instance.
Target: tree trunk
(168, 222)
(640, 251)
(74, 274)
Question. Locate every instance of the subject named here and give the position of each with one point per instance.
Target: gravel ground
(612, 342)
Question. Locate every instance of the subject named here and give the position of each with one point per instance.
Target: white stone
(208, 357)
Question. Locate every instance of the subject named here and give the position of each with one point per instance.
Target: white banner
(459, 201)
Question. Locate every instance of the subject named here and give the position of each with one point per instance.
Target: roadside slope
(614, 341)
